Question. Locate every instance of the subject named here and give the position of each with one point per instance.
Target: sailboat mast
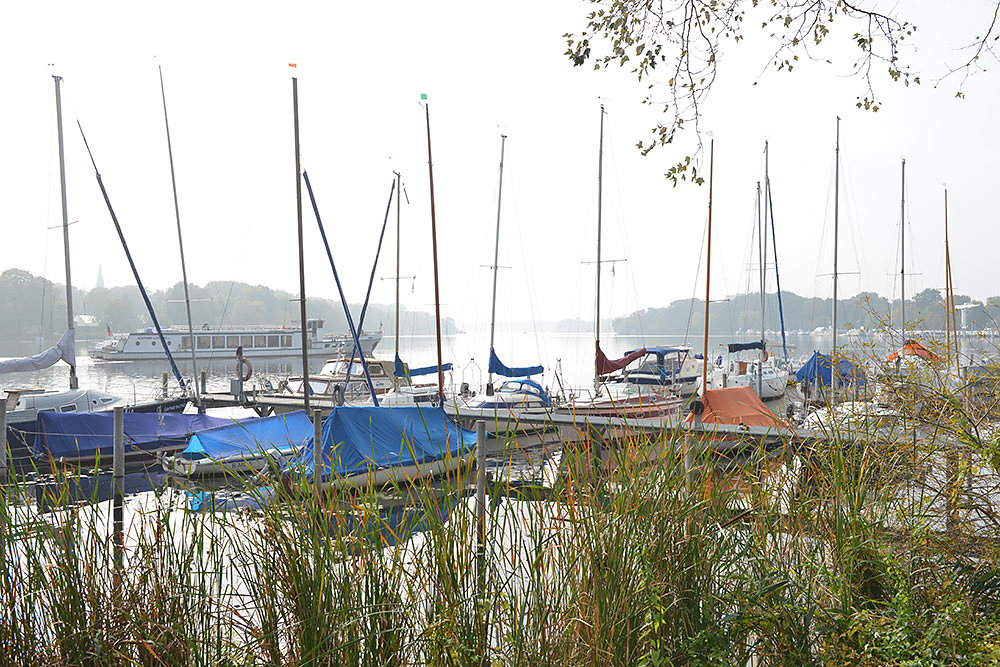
(437, 291)
(836, 232)
(902, 251)
(180, 243)
(399, 186)
(600, 193)
(302, 260)
(947, 285)
(496, 262)
(73, 382)
(761, 258)
(708, 269)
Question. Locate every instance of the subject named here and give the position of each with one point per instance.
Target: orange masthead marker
(292, 65)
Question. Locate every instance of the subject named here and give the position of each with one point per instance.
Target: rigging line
(540, 347)
(822, 240)
(628, 250)
(697, 275)
(135, 271)
(854, 220)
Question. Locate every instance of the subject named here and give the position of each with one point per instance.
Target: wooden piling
(163, 385)
(118, 485)
(317, 418)
(204, 382)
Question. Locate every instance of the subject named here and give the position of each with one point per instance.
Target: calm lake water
(468, 352)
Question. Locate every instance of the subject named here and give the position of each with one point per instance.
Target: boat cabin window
(272, 341)
(286, 340)
(246, 341)
(204, 342)
(185, 342)
(233, 341)
(105, 401)
(68, 408)
(218, 342)
(260, 341)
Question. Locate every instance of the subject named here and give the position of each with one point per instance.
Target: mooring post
(481, 525)
(3, 440)
(317, 449)
(118, 485)
(163, 385)
(204, 381)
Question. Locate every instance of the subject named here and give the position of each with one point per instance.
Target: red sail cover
(605, 365)
(736, 406)
(913, 348)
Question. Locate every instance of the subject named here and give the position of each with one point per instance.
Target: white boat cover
(65, 349)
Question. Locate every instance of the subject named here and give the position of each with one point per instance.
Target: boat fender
(244, 369)
(338, 394)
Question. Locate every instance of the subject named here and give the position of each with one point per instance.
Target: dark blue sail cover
(285, 433)
(403, 370)
(819, 368)
(497, 366)
(741, 347)
(85, 435)
(360, 439)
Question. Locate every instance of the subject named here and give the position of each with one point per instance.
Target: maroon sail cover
(605, 365)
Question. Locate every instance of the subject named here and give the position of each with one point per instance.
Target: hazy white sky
(486, 68)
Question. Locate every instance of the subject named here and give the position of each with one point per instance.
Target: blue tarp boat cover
(497, 366)
(741, 347)
(84, 435)
(403, 370)
(357, 439)
(819, 368)
(285, 433)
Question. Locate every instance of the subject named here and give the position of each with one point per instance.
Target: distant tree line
(33, 308)
(867, 310)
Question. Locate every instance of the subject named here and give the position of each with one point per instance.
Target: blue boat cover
(661, 350)
(285, 433)
(819, 367)
(357, 439)
(740, 347)
(403, 370)
(497, 366)
(85, 434)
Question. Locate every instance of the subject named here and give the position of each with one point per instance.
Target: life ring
(764, 355)
(244, 365)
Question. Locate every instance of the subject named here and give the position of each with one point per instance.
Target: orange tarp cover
(913, 348)
(736, 405)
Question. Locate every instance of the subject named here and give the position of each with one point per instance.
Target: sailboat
(519, 394)
(762, 374)
(619, 398)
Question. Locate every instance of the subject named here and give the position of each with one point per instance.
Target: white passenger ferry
(257, 342)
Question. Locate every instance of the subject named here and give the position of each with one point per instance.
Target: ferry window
(153, 342)
(218, 342)
(136, 342)
(170, 342)
(286, 341)
(272, 341)
(68, 408)
(232, 341)
(185, 342)
(246, 341)
(260, 341)
(203, 342)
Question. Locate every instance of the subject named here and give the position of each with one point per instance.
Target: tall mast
(302, 261)
(947, 286)
(434, 246)
(496, 262)
(762, 257)
(399, 186)
(836, 232)
(763, 275)
(73, 382)
(708, 269)
(902, 251)
(180, 242)
(600, 192)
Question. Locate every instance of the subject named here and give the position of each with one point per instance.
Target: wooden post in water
(163, 386)
(204, 381)
(3, 440)
(481, 511)
(317, 450)
(118, 486)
